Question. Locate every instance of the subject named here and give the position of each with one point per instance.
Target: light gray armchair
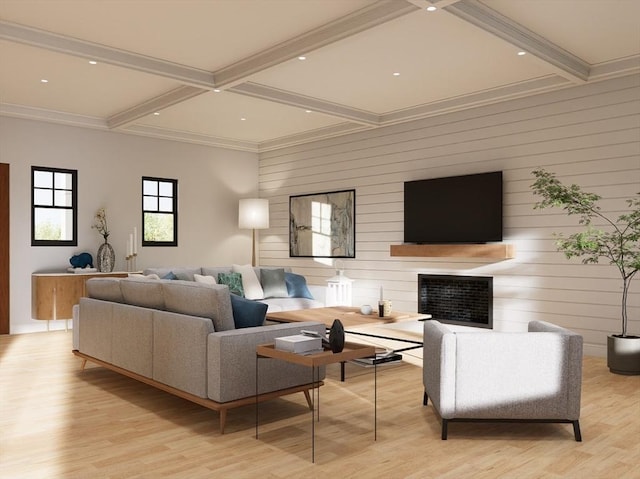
(505, 377)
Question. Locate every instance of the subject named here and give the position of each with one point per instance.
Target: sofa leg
(83, 365)
(445, 423)
(576, 431)
(425, 399)
(223, 419)
(308, 398)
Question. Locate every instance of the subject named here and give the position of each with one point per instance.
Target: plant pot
(623, 354)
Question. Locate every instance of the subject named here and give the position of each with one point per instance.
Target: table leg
(313, 415)
(257, 396)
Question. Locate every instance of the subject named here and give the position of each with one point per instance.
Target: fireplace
(461, 300)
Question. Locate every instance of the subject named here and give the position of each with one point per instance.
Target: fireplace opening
(461, 300)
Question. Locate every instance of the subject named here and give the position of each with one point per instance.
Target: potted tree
(617, 241)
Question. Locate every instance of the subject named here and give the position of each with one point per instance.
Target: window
(54, 207)
(159, 212)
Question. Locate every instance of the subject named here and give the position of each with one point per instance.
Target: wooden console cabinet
(54, 294)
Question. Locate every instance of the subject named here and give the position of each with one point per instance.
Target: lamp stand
(253, 249)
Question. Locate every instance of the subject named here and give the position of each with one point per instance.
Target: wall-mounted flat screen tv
(455, 209)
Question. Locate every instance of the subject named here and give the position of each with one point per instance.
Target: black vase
(336, 336)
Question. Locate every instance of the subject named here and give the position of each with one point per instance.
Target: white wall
(589, 135)
(110, 166)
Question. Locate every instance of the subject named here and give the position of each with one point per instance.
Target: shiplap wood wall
(589, 135)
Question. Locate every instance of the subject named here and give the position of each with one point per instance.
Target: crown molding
(189, 137)
(276, 95)
(368, 17)
(472, 100)
(52, 116)
(566, 64)
(615, 68)
(172, 97)
(94, 51)
(331, 131)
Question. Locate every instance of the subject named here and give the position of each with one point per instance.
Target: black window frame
(74, 205)
(174, 197)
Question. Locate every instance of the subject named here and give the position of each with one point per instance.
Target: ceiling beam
(94, 51)
(177, 95)
(564, 63)
(265, 92)
(373, 15)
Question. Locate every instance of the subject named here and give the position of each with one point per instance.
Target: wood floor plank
(59, 422)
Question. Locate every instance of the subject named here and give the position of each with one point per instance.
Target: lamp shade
(253, 213)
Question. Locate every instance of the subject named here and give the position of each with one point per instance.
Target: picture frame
(323, 225)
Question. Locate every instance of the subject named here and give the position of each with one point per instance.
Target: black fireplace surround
(461, 300)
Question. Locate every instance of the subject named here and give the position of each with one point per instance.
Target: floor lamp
(253, 214)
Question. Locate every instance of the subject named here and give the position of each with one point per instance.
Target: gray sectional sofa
(282, 303)
(180, 336)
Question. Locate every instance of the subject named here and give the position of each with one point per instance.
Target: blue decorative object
(81, 260)
(170, 276)
(297, 286)
(247, 313)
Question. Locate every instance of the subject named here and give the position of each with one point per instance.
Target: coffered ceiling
(229, 72)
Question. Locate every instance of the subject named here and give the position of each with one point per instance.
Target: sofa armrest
(232, 362)
(439, 364)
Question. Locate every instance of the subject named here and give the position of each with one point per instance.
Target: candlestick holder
(131, 262)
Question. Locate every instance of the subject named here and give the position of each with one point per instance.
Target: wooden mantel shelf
(488, 251)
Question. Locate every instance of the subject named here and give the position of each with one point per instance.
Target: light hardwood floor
(58, 422)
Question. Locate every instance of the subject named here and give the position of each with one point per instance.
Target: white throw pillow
(250, 282)
(204, 279)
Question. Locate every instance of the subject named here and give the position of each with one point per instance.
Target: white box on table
(298, 343)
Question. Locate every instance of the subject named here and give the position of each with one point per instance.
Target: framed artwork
(323, 225)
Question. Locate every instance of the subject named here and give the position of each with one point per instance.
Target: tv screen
(456, 209)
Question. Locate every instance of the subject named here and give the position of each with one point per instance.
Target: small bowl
(366, 309)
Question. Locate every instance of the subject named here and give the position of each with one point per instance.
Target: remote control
(310, 333)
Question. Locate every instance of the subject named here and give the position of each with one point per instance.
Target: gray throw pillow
(273, 283)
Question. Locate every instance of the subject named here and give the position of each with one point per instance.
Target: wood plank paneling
(589, 135)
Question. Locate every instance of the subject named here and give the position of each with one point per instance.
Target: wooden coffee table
(352, 318)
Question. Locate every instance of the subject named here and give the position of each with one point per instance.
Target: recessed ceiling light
(302, 57)
(217, 90)
(157, 113)
(431, 8)
(396, 74)
(243, 119)
(521, 53)
(93, 62)
(44, 80)
(308, 111)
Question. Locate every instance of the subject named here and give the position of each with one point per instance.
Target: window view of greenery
(159, 212)
(53, 207)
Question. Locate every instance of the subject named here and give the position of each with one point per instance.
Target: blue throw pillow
(297, 286)
(247, 313)
(170, 276)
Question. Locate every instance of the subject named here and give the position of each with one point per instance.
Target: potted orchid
(106, 256)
